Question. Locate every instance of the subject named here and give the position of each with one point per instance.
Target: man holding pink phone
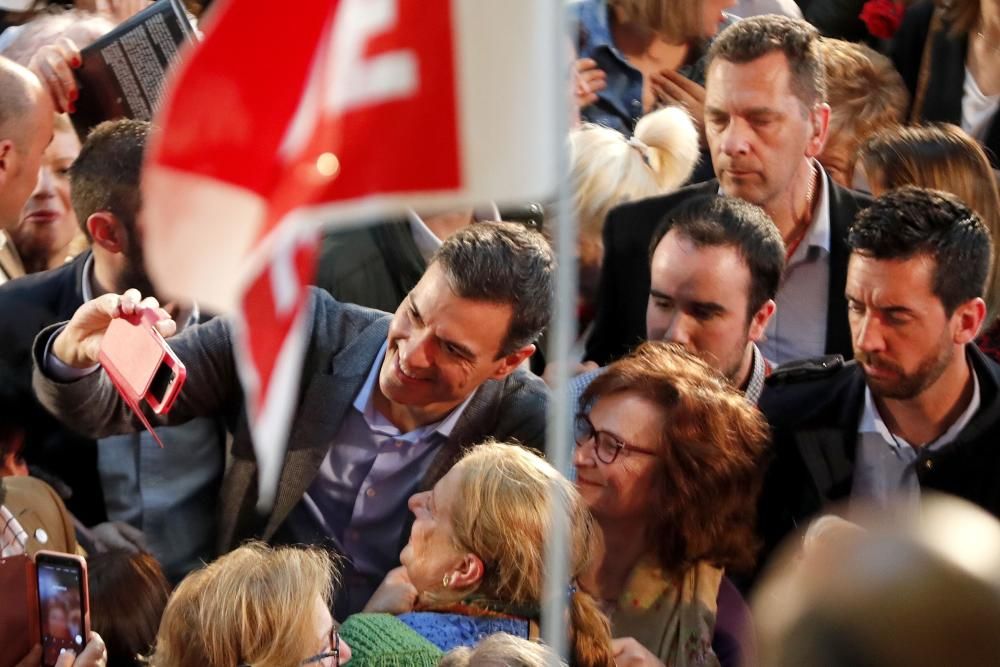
(387, 403)
(130, 493)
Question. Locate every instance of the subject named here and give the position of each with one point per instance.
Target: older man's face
(23, 158)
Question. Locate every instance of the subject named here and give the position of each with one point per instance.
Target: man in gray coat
(386, 403)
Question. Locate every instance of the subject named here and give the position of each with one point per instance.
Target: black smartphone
(63, 604)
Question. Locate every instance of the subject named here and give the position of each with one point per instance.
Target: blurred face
(902, 337)
(442, 347)
(837, 159)
(23, 174)
(757, 130)
(712, 14)
(431, 552)
(48, 223)
(620, 490)
(698, 297)
(325, 639)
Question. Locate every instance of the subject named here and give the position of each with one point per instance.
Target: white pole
(561, 338)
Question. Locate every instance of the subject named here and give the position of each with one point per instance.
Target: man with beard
(130, 491)
(919, 407)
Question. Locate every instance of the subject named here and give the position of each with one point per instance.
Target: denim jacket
(619, 106)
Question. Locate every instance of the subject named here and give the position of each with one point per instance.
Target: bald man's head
(26, 115)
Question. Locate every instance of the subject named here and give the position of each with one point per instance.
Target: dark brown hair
(128, 593)
(747, 40)
(712, 440)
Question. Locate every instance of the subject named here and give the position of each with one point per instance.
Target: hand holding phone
(140, 362)
(63, 604)
(79, 343)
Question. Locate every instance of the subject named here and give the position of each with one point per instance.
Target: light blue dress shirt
(359, 496)
(798, 328)
(886, 464)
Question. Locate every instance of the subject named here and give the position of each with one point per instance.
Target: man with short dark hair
(919, 408)
(130, 492)
(386, 403)
(715, 265)
(765, 122)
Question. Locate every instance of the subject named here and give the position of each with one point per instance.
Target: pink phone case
(141, 364)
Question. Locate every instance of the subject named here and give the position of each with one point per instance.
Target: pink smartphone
(63, 603)
(141, 363)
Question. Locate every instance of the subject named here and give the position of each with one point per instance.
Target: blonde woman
(651, 53)
(256, 606)
(474, 565)
(943, 157)
(853, 71)
(606, 170)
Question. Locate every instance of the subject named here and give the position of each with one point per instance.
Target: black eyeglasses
(334, 651)
(606, 446)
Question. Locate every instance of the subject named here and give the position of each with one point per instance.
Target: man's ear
(968, 319)
(468, 573)
(819, 119)
(510, 363)
(106, 231)
(8, 159)
(758, 323)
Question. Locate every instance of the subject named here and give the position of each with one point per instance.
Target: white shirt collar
(819, 228)
(872, 422)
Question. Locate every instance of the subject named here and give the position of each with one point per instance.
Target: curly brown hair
(712, 441)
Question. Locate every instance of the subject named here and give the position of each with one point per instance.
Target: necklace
(810, 193)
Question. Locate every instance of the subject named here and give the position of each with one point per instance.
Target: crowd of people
(788, 323)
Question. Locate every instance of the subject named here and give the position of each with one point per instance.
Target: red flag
(283, 120)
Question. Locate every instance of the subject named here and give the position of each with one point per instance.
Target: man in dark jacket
(765, 121)
(386, 405)
(919, 408)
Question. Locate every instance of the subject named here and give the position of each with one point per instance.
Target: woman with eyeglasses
(256, 606)
(474, 565)
(668, 460)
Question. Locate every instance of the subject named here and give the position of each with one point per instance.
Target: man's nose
(418, 352)
(868, 336)
(679, 330)
(735, 138)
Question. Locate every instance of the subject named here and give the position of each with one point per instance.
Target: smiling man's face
(442, 346)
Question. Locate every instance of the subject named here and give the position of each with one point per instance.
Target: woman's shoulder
(450, 630)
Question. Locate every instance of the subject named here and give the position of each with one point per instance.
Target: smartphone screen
(62, 600)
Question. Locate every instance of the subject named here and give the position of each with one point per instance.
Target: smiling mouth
(406, 376)
(586, 482)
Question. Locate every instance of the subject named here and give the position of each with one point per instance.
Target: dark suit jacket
(815, 426)
(624, 289)
(943, 101)
(374, 266)
(343, 342)
(30, 304)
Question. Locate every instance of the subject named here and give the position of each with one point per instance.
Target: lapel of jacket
(326, 398)
(838, 331)
(828, 450)
(477, 422)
